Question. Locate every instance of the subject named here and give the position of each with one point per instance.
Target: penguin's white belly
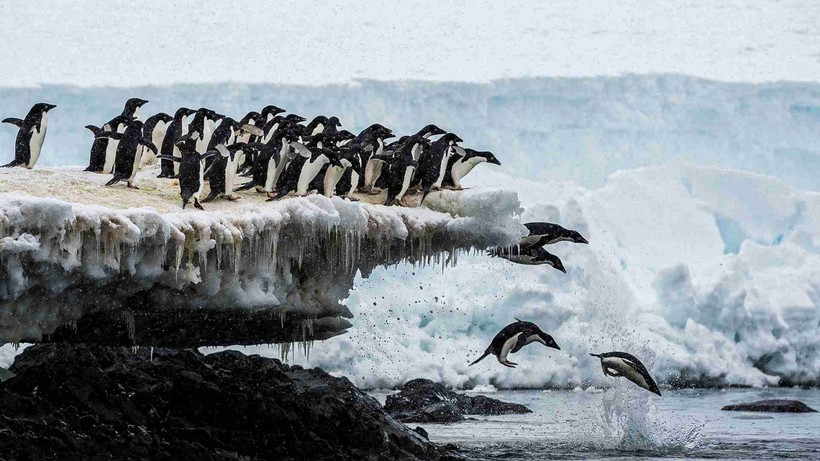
(176, 154)
(507, 347)
(332, 176)
(354, 181)
(36, 143)
(372, 171)
(230, 175)
(271, 178)
(408, 177)
(111, 151)
(309, 171)
(523, 259)
(285, 156)
(442, 170)
(626, 370)
(462, 168)
(201, 189)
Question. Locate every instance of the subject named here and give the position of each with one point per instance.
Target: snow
(656, 280)
(85, 247)
(546, 129)
(48, 41)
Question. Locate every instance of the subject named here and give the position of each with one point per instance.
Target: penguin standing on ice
(221, 173)
(319, 124)
(130, 112)
(433, 163)
(528, 255)
(129, 152)
(402, 165)
(191, 171)
(304, 168)
(512, 338)
(375, 182)
(461, 163)
(99, 148)
(169, 150)
(30, 135)
(544, 233)
(270, 160)
(621, 364)
(154, 129)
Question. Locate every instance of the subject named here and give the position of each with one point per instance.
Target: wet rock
(423, 401)
(81, 402)
(772, 406)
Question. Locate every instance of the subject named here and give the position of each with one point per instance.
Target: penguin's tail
(486, 353)
(12, 164)
(595, 355)
(424, 196)
(114, 180)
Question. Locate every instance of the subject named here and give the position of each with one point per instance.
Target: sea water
(627, 423)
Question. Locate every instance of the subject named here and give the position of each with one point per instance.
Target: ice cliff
(97, 251)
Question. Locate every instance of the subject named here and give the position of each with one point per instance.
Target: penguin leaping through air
(528, 255)
(621, 364)
(30, 135)
(545, 233)
(512, 338)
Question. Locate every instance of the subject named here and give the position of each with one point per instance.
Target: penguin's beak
(49, 107)
(494, 161)
(458, 139)
(582, 240)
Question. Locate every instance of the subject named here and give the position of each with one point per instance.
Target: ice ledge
(62, 260)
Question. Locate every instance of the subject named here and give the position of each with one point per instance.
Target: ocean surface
(628, 423)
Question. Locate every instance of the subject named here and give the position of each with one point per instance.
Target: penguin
(317, 125)
(381, 182)
(621, 364)
(169, 149)
(544, 233)
(270, 111)
(372, 141)
(191, 171)
(30, 135)
(154, 129)
(118, 124)
(461, 163)
(348, 182)
(402, 166)
(99, 148)
(528, 255)
(433, 163)
(330, 174)
(305, 167)
(512, 338)
(270, 160)
(221, 173)
(129, 152)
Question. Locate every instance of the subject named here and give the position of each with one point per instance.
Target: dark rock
(80, 402)
(420, 431)
(423, 401)
(772, 406)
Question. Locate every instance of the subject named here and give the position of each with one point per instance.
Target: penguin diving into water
(544, 233)
(129, 152)
(528, 255)
(621, 364)
(512, 338)
(30, 135)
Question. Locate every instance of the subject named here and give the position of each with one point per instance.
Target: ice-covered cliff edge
(79, 250)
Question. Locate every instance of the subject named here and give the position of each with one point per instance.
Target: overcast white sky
(158, 42)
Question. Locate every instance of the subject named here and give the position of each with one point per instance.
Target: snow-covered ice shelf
(72, 248)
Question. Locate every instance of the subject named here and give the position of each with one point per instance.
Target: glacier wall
(62, 263)
(580, 129)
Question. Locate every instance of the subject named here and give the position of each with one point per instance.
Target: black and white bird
(154, 129)
(621, 364)
(545, 233)
(433, 163)
(129, 152)
(169, 151)
(512, 338)
(31, 132)
(191, 171)
(462, 162)
(528, 255)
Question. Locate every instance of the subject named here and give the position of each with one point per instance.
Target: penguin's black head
(183, 111)
(431, 130)
(43, 107)
(295, 118)
(271, 110)
(486, 155)
(575, 236)
(344, 135)
(334, 121)
(162, 116)
(135, 103)
(451, 137)
(553, 261)
(547, 340)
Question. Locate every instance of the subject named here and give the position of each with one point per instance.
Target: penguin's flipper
(150, 145)
(14, 121)
(522, 341)
(170, 158)
(108, 134)
(252, 129)
(95, 130)
(246, 186)
(114, 180)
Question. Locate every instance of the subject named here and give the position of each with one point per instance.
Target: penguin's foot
(374, 191)
(232, 197)
(198, 205)
(508, 364)
(133, 186)
(405, 202)
(352, 199)
(364, 189)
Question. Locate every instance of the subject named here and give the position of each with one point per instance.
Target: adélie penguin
(99, 148)
(621, 364)
(169, 151)
(512, 338)
(544, 233)
(30, 135)
(154, 129)
(461, 163)
(191, 171)
(433, 163)
(221, 173)
(131, 111)
(129, 152)
(528, 255)
(401, 167)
